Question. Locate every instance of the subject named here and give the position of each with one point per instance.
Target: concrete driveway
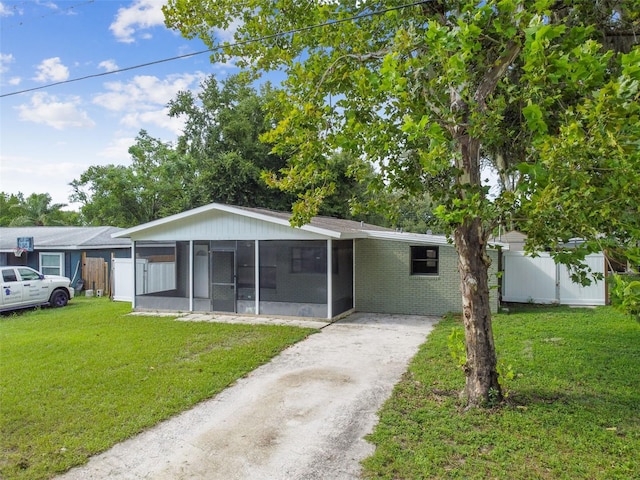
(301, 416)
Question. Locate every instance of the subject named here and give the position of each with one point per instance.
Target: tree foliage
(218, 158)
(34, 210)
(127, 196)
(223, 124)
(427, 92)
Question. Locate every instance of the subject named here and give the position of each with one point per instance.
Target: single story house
(80, 253)
(513, 238)
(221, 258)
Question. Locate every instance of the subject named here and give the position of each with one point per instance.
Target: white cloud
(50, 5)
(5, 11)
(142, 14)
(159, 118)
(227, 35)
(118, 150)
(14, 81)
(52, 69)
(145, 92)
(29, 175)
(109, 65)
(48, 110)
(5, 60)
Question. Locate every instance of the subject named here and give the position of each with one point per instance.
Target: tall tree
(158, 182)
(8, 202)
(223, 124)
(36, 210)
(426, 91)
(218, 158)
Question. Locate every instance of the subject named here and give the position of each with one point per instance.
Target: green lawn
(76, 380)
(573, 410)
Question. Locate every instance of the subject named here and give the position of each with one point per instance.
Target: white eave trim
(71, 248)
(420, 238)
(407, 237)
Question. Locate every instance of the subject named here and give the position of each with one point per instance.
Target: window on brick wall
(424, 260)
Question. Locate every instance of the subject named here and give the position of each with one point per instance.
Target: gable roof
(326, 226)
(64, 238)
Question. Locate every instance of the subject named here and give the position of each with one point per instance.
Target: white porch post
(133, 271)
(191, 259)
(353, 274)
(329, 279)
(256, 267)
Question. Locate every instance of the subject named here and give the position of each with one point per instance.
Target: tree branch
(493, 76)
(360, 57)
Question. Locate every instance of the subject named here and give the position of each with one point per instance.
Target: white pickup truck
(24, 287)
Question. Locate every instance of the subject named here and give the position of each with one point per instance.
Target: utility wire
(219, 47)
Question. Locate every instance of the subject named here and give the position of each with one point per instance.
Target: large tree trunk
(482, 385)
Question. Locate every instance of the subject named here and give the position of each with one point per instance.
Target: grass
(76, 380)
(572, 411)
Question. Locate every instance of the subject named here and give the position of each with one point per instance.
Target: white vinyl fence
(122, 275)
(540, 280)
(150, 277)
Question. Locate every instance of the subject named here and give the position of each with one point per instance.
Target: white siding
(216, 225)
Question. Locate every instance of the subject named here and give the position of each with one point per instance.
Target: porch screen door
(223, 281)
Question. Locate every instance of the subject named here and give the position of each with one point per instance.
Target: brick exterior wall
(384, 283)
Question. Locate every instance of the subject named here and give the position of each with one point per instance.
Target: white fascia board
(81, 247)
(406, 237)
(421, 238)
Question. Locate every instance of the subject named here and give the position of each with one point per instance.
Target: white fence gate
(122, 278)
(540, 280)
(150, 277)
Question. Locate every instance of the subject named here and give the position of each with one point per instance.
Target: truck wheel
(59, 298)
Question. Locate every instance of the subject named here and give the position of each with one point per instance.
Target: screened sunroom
(309, 278)
(220, 258)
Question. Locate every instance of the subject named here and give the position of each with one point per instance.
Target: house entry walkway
(304, 415)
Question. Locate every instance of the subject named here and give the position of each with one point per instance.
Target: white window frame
(60, 256)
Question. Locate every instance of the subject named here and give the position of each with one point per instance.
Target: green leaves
(535, 119)
(34, 210)
(426, 94)
(625, 294)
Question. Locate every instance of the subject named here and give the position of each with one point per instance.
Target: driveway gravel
(304, 415)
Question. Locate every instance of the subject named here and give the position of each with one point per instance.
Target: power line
(219, 47)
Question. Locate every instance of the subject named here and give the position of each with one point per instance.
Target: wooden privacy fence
(95, 274)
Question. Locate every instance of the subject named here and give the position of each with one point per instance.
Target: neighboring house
(514, 239)
(80, 253)
(234, 259)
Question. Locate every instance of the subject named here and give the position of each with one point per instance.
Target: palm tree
(37, 211)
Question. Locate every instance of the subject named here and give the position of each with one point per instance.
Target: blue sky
(49, 137)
